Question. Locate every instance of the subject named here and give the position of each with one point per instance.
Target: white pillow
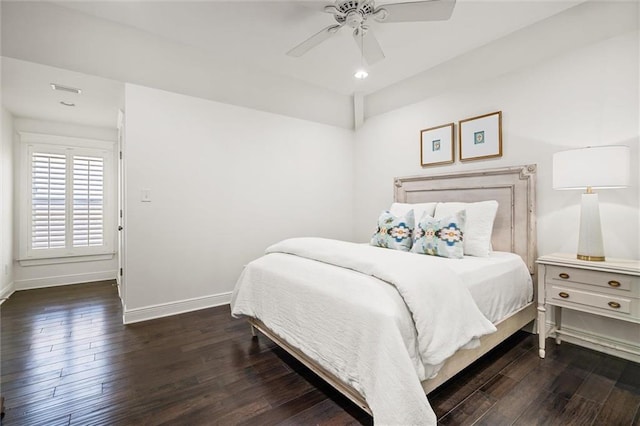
(419, 209)
(478, 227)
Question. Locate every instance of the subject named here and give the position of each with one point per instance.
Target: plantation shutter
(88, 201)
(48, 200)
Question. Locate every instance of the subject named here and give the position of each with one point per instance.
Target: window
(88, 201)
(48, 201)
(68, 189)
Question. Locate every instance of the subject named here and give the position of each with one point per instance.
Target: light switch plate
(145, 195)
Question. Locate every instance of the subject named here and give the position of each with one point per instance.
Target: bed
(513, 235)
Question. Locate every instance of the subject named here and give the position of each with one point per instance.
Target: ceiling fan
(355, 14)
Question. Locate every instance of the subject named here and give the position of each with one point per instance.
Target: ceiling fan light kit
(356, 13)
(361, 74)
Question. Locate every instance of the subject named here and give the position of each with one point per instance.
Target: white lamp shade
(598, 167)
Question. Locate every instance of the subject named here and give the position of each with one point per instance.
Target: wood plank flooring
(68, 360)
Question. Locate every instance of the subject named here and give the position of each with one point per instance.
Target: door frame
(121, 273)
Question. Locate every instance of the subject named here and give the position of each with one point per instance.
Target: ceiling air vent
(62, 88)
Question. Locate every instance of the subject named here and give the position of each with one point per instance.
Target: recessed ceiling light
(69, 104)
(62, 88)
(361, 74)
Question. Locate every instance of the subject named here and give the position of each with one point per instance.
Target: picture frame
(436, 145)
(480, 137)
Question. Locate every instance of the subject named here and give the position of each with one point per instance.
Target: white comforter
(368, 346)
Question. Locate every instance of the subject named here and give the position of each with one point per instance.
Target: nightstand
(610, 289)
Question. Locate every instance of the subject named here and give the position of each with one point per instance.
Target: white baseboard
(173, 308)
(595, 346)
(6, 292)
(64, 280)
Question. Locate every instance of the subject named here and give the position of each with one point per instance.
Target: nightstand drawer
(604, 280)
(571, 296)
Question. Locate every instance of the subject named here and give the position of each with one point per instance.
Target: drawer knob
(563, 295)
(564, 276)
(614, 283)
(614, 305)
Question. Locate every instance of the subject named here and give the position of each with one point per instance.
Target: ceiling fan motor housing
(365, 7)
(353, 12)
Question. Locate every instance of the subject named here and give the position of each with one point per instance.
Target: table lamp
(597, 167)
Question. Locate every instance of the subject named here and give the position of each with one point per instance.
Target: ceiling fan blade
(429, 10)
(369, 46)
(314, 40)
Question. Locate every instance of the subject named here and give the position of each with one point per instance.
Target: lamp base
(590, 245)
(590, 258)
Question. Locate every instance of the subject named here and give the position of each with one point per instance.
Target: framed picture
(436, 145)
(480, 137)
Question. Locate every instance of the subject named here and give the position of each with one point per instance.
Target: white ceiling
(230, 51)
(26, 91)
(257, 34)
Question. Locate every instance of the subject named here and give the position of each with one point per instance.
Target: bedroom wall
(6, 206)
(36, 276)
(587, 96)
(225, 182)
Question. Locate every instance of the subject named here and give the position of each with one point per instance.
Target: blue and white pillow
(394, 232)
(440, 237)
(478, 224)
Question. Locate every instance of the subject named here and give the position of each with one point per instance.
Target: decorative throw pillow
(394, 232)
(440, 237)
(478, 227)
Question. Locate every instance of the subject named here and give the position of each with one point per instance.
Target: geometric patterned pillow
(440, 237)
(394, 232)
(478, 226)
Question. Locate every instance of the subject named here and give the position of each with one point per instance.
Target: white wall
(6, 206)
(588, 96)
(225, 183)
(26, 277)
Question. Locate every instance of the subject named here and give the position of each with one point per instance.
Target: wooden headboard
(514, 188)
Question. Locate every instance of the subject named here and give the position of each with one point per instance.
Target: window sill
(65, 259)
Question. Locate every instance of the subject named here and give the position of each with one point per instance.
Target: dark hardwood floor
(67, 359)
